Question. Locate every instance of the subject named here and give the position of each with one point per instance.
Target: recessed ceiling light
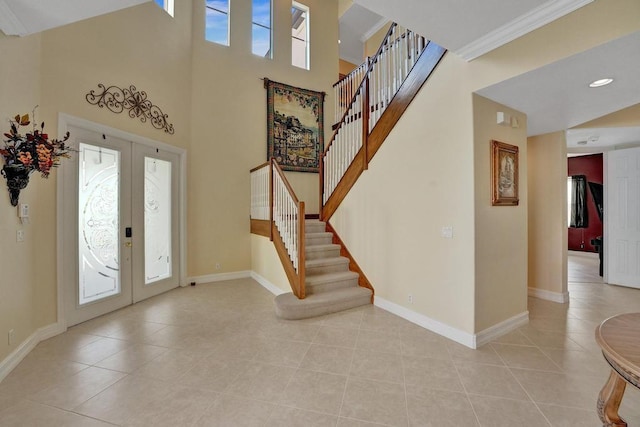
(600, 82)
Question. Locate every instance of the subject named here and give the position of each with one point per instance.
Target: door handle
(128, 244)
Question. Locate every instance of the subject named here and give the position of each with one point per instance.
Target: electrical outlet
(11, 336)
(20, 236)
(217, 266)
(410, 299)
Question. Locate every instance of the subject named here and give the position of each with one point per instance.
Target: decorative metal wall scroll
(117, 100)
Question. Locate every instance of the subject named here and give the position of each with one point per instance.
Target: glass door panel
(98, 223)
(157, 220)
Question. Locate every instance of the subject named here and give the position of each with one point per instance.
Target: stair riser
(327, 253)
(319, 311)
(331, 286)
(317, 240)
(323, 269)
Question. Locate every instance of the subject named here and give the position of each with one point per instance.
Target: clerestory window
(167, 5)
(217, 21)
(261, 28)
(300, 35)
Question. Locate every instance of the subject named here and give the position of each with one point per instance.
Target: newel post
(365, 117)
(321, 183)
(301, 251)
(271, 199)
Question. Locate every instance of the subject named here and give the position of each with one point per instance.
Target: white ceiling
(555, 97)
(357, 24)
(24, 17)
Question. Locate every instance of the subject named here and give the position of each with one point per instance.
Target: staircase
(330, 285)
(323, 275)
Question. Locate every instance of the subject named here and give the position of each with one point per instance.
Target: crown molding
(523, 24)
(378, 25)
(9, 22)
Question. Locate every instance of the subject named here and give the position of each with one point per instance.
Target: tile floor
(215, 355)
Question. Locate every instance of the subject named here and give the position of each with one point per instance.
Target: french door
(622, 217)
(121, 217)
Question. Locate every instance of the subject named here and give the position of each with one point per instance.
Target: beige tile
(234, 411)
(377, 366)
(324, 358)
(61, 346)
(32, 376)
(170, 365)
(562, 416)
(212, 374)
(439, 408)
(78, 388)
(336, 336)
(98, 350)
(423, 345)
(182, 406)
(514, 337)
(440, 374)
(519, 356)
(28, 414)
(349, 319)
(125, 398)
(375, 401)
(261, 382)
(462, 354)
(315, 391)
(131, 358)
(498, 412)
(283, 352)
(239, 346)
(574, 390)
(283, 416)
(379, 341)
(490, 381)
(550, 339)
(578, 361)
(349, 422)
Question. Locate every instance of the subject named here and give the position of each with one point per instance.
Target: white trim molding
(219, 277)
(17, 355)
(433, 325)
(523, 24)
(267, 284)
(502, 328)
(549, 295)
(376, 27)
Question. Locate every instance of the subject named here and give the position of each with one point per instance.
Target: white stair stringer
(330, 285)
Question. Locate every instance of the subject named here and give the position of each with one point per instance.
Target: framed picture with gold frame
(504, 174)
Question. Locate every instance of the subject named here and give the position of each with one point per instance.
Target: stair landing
(330, 285)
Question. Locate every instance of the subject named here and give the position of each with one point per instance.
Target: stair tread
(314, 222)
(316, 279)
(326, 261)
(319, 234)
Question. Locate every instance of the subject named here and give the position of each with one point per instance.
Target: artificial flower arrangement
(24, 154)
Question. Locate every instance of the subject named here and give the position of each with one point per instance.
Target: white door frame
(66, 120)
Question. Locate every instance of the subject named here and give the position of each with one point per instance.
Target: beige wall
(548, 213)
(500, 231)
(265, 262)
(346, 67)
(373, 43)
(22, 265)
(420, 180)
(623, 118)
(228, 113)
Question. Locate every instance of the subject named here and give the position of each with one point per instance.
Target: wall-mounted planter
(17, 177)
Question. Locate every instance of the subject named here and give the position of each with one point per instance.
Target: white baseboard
(549, 295)
(17, 355)
(501, 328)
(267, 284)
(219, 277)
(436, 326)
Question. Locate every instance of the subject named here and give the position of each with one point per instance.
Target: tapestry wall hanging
(295, 126)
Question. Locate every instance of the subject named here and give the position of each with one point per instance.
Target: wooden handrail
(265, 164)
